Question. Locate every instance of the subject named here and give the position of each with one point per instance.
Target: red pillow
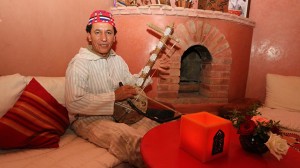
(36, 120)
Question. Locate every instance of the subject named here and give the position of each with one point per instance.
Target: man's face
(102, 37)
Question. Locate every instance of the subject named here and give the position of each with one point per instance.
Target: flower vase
(253, 144)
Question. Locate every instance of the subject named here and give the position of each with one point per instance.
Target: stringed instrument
(132, 110)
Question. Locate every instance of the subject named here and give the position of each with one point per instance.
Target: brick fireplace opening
(200, 71)
(193, 61)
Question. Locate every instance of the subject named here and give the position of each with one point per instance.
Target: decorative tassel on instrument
(131, 111)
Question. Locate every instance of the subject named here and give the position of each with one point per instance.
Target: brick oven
(209, 65)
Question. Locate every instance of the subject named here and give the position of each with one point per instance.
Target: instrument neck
(149, 65)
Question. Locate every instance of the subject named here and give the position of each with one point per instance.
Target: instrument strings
(165, 106)
(141, 92)
(169, 53)
(149, 98)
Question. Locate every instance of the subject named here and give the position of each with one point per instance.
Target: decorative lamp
(205, 135)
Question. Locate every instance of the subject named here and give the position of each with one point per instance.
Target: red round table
(160, 148)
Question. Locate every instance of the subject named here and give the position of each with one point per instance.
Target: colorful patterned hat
(101, 16)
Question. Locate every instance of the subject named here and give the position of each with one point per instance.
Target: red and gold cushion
(36, 120)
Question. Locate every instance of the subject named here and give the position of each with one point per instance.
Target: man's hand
(163, 64)
(125, 92)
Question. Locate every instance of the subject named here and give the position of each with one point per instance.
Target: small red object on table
(160, 148)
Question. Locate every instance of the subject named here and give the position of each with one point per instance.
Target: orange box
(204, 135)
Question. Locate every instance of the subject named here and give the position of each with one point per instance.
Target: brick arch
(201, 33)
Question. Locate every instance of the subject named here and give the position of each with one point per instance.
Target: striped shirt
(91, 81)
